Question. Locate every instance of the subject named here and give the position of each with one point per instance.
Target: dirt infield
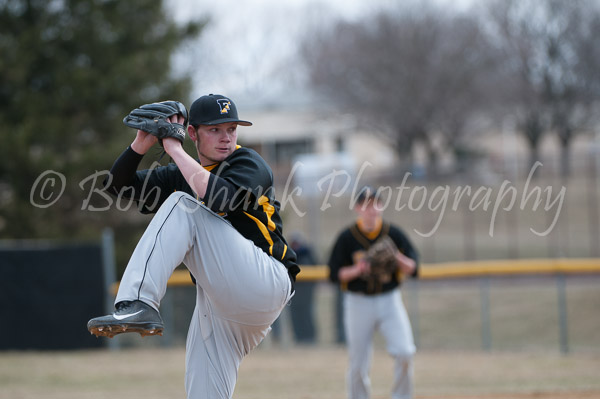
(438, 375)
(298, 373)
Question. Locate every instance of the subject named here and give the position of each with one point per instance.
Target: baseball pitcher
(217, 214)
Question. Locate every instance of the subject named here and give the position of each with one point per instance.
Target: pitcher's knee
(404, 353)
(179, 203)
(183, 202)
(177, 195)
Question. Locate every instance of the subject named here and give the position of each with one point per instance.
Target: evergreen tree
(69, 72)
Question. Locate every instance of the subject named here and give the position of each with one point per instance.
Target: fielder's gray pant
(240, 289)
(363, 315)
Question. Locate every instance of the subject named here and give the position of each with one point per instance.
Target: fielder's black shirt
(240, 189)
(353, 243)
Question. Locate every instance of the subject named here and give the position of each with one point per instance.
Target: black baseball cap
(214, 109)
(366, 193)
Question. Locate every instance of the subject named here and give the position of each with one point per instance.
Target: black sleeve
(338, 258)
(149, 188)
(405, 246)
(123, 171)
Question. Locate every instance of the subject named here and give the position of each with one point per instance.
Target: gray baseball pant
(363, 315)
(240, 289)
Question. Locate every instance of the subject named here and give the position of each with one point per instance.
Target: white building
(319, 141)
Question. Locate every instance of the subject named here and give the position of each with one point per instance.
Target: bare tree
(517, 40)
(549, 66)
(572, 85)
(408, 75)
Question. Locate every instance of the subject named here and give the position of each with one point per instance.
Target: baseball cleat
(129, 316)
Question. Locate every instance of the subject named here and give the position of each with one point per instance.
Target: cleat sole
(112, 330)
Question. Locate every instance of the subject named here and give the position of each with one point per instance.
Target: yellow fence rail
(559, 268)
(456, 269)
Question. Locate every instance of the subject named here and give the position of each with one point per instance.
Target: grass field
(297, 373)
(525, 361)
(447, 314)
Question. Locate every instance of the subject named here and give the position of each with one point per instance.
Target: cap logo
(225, 104)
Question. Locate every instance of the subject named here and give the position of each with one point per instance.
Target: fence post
(484, 292)
(562, 313)
(592, 205)
(108, 269)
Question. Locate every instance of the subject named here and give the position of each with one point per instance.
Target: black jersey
(352, 243)
(240, 189)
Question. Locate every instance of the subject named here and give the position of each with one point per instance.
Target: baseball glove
(382, 258)
(153, 118)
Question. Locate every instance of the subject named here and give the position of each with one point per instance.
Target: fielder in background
(368, 260)
(217, 214)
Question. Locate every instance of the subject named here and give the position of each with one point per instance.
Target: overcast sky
(247, 51)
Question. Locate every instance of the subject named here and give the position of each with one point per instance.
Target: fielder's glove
(382, 258)
(153, 118)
